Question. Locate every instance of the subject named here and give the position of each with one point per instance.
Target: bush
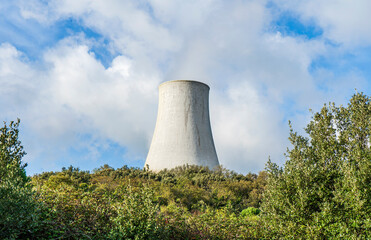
(249, 212)
(137, 215)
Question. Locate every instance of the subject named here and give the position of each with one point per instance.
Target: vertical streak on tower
(183, 132)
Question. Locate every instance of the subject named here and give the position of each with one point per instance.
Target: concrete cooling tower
(183, 132)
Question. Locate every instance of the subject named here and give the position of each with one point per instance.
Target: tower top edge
(186, 81)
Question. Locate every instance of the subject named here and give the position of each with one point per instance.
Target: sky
(83, 75)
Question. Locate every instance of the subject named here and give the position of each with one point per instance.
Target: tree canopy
(324, 190)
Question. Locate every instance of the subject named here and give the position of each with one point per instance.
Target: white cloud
(78, 96)
(17, 89)
(344, 22)
(112, 101)
(253, 74)
(248, 128)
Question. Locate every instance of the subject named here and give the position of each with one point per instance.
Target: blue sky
(82, 75)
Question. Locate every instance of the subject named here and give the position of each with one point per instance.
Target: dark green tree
(18, 208)
(324, 189)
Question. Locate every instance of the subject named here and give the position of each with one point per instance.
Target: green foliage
(220, 223)
(249, 212)
(19, 212)
(11, 153)
(323, 191)
(188, 202)
(76, 209)
(137, 215)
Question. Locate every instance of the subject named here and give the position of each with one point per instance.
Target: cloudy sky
(82, 75)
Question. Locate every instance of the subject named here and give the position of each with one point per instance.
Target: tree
(18, 218)
(11, 153)
(324, 188)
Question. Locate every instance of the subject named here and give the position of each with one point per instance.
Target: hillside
(186, 202)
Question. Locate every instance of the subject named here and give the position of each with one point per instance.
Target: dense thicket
(188, 202)
(324, 189)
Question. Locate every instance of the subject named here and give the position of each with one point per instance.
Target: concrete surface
(183, 133)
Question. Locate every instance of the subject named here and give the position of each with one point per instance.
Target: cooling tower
(183, 133)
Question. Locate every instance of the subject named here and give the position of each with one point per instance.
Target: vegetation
(322, 192)
(324, 189)
(188, 202)
(20, 213)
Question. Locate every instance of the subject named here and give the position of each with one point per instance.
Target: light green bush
(249, 212)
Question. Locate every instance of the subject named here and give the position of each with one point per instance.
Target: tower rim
(183, 80)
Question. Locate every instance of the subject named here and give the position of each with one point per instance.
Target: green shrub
(137, 216)
(249, 212)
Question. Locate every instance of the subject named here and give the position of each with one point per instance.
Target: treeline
(323, 191)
